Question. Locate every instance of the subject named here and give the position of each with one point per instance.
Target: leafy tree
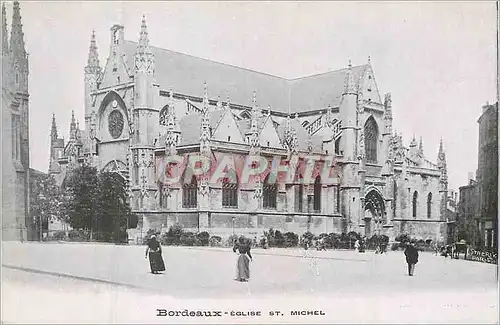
(113, 211)
(47, 202)
(83, 189)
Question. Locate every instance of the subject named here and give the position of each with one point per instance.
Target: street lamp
(40, 219)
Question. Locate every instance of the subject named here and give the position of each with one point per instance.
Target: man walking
(411, 254)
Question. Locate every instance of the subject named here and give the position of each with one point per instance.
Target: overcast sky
(437, 59)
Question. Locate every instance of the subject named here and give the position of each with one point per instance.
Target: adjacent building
(147, 104)
(487, 176)
(16, 222)
(468, 207)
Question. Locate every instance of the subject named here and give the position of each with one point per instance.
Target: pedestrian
(155, 255)
(243, 263)
(411, 254)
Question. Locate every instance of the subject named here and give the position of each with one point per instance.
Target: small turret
(53, 130)
(72, 126)
(5, 36)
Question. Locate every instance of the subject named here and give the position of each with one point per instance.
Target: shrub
(291, 239)
(172, 236)
(59, 235)
(188, 239)
(279, 239)
(78, 235)
(203, 238)
(215, 241)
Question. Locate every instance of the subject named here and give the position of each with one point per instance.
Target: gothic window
(299, 196)
(230, 192)
(429, 205)
(163, 115)
(269, 194)
(190, 194)
(317, 194)
(115, 124)
(337, 146)
(371, 138)
(395, 197)
(415, 201)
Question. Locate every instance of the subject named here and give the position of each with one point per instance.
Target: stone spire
(294, 145)
(254, 130)
(143, 45)
(361, 145)
(420, 148)
(349, 87)
(228, 103)
(442, 163)
(93, 57)
(53, 130)
(205, 124)
(144, 58)
(170, 139)
(17, 36)
(5, 37)
(413, 142)
(72, 126)
(388, 113)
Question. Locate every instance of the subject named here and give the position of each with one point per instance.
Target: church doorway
(374, 213)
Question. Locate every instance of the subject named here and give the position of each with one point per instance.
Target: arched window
(163, 115)
(269, 194)
(429, 205)
(317, 194)
(371, 139)
(337, 146)
(299, 197)
(245, 114)
(395, 197)
(190, 194)
(415, 201)
(230, 191)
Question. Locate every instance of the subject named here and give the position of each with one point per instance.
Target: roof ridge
(251, 70)
(217, 62)
(326, 72)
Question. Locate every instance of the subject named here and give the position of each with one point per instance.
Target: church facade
(15, 130)
(147, 105)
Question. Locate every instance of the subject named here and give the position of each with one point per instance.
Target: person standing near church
(411, 254)
(243, 263)
(155, 256)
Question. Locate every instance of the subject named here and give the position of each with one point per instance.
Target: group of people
(242, 246)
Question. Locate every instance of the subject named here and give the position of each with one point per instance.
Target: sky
(438, 60)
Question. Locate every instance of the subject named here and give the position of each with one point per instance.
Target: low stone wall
(225, 224)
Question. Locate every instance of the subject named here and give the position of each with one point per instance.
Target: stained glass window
(429, 205)
(415, 201)
(190, 194)
(163, 115)
(317, 194)
(371, 138)
(269, 193)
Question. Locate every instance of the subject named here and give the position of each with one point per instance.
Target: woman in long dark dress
(155, 259)
(243, 263)
(411, 254)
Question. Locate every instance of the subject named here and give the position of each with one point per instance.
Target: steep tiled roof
(190, 127)
(186, 74)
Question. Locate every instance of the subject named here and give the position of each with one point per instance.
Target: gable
(269, 136)
(368, 86)
(228, 129)
(115, 71)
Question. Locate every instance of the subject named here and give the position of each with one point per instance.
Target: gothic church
(147, 103)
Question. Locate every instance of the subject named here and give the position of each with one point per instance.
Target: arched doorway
(374, 213)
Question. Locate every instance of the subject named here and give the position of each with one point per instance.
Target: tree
(98, 204)
(113, 209)
(82, 186)
(47, 202)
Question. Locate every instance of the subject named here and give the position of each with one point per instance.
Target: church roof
(190, 127)
(186, 74)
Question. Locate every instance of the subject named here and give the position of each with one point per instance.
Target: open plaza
(108, 283)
